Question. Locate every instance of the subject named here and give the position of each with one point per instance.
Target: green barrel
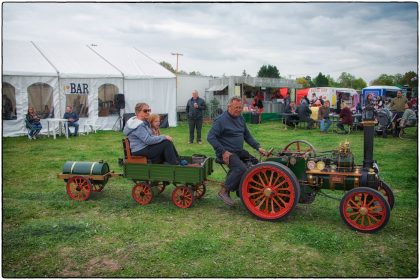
(85, 168)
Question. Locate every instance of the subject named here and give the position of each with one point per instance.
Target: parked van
(333, 94)
(386, 92)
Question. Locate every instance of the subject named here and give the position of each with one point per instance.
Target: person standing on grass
(227, 136)
(195, 108)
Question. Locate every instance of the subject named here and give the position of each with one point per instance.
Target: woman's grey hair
(139, 107)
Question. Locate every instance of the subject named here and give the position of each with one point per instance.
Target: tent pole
(58, 76)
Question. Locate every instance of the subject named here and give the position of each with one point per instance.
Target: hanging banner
(237, 91)
(76, 88)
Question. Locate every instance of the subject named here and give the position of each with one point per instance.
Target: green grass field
(45, 234)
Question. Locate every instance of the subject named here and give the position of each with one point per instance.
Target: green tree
(302, 81)
(410, 79)
(359, 84)
(245, 74)
(384, 80)
(346, 80)
(168, 66)
(332, 82)
(268, 71)
(309, 80)
(195, 73)
(321, 80)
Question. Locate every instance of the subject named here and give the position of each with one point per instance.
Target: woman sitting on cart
(157, 149)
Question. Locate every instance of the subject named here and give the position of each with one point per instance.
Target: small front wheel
(365, 210)
(387, 192)
(142, 193)
(199, 191)
(183, 197)
(97, 187)
(78, 188)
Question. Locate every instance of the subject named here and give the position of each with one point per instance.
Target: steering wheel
(299, 147)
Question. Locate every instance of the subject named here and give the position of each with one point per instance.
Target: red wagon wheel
(78, 188)
(387, 192)
(142, 193)
(270, 191)
(365, 209)
(199, 190)
(183, 197)
(160, 186)
(300, 147)
(97, 187)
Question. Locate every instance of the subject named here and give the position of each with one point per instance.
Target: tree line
(345, 80)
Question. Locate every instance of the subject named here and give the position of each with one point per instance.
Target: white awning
(217, 88)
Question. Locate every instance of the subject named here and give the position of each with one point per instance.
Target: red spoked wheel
(142, 193)
(269, 191)
(160, 186)
(387, 192)
(97, 187)
(199, 190)
(299, 147)
(78, 188)
(183, 197)
(365, 209)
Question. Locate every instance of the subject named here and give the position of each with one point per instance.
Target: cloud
(364, 39)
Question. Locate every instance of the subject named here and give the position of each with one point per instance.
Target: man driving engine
(227, 136)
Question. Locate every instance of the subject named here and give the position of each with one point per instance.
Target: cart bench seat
(128, 158)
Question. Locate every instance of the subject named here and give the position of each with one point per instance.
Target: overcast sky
(363, 39)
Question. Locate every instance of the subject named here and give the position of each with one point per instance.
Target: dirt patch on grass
(99, 265)
(70, 268)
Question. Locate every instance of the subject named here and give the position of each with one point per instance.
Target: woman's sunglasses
(147, 110)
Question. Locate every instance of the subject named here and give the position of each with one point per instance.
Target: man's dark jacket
(195, 113)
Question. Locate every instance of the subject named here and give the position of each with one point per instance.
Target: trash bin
(254, 118)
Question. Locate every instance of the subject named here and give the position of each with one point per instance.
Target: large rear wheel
(365, 210)
(269, 191)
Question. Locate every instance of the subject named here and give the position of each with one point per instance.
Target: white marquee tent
(24, 66)
(143, 77)
(89, 78)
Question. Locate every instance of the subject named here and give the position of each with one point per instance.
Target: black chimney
(369, 133)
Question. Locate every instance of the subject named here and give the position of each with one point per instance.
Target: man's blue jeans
(325, 124)
(75, 125)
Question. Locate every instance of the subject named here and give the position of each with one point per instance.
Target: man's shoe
(199, 142)
(224, 195)
(189, 142)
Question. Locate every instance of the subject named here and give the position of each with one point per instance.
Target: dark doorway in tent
(8, 102)
(40, 97)
(107, 105)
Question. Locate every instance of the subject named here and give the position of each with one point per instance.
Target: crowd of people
(229, 131)
(316, 111)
